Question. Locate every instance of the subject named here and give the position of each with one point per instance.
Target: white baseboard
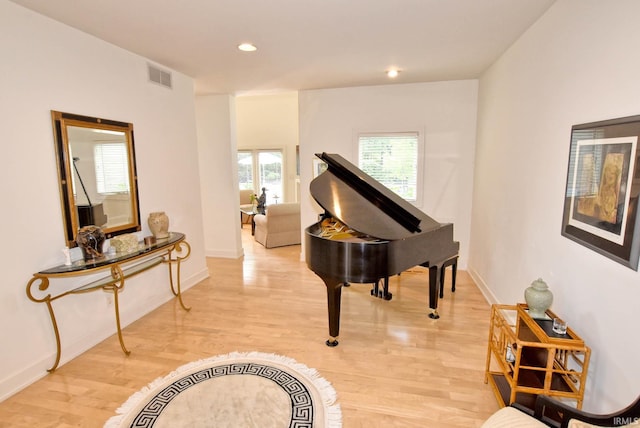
(482, 286)
(225, 254)
(15, 382)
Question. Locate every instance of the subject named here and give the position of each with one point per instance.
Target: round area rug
(235, 390)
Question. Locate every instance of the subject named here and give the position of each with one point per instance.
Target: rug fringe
(327, 392)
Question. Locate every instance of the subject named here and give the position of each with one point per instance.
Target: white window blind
(590, 162)
(112, 174)
(391, 159)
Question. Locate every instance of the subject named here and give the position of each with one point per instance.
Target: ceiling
(305, 44)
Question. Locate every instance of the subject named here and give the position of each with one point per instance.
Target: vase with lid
(538, 298)
(90, 239)
(159, 224)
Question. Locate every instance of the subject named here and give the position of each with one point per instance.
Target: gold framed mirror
(96, 174)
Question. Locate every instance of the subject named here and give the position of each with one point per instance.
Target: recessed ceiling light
(247, 47)
(393, 73)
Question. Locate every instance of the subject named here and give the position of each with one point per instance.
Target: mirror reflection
(96, 165)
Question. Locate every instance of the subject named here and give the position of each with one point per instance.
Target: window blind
(112, 174)
(391, 159)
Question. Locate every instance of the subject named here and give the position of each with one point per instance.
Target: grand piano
(368, 233)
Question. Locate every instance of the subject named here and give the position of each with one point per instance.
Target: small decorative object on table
(262, 201)
(559, 326)
(90, 239)
(159, 225)
(67, 256)
(538, 298)
(125, 243)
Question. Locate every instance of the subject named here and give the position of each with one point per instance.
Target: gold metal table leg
(57, 334)
(175, 288)
(43, 286)
(118, 276)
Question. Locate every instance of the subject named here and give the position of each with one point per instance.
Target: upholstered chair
(279, 226)
(245, 203)
(553, 413)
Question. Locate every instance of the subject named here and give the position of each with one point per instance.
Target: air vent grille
(159, 76)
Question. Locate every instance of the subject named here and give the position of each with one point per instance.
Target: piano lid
(364, 204)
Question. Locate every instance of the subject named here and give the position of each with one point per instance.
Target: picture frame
(602, 188)
(319, 166)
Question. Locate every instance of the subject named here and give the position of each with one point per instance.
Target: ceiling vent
(159, 76)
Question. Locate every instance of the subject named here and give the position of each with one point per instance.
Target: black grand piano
(368, 233)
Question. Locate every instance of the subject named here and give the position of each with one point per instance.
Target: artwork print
(601, 182)
(600, 210)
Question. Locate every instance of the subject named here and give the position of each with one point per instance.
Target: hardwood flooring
(394, 367)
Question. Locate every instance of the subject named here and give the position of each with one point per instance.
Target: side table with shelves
(526, 358)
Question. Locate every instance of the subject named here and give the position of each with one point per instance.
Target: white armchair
(245, 203)
(280, 225)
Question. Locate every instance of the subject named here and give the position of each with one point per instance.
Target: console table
(120, 266)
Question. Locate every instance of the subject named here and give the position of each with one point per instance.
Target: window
(245, 170)
(112, 175)
(392, 159)
(261, 168)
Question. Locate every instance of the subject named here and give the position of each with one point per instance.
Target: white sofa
(280, 226)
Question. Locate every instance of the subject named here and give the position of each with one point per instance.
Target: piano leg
(334, 294)
(434, 286)
(384, 294)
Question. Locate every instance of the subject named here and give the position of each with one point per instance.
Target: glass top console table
(117, 267)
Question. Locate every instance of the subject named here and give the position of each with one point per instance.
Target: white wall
(445, 112)
(49, 66)
(579, 63)
(271, 122)
(219, 175)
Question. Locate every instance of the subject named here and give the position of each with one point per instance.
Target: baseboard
(225, 254)
(482, 286)
(18, 381)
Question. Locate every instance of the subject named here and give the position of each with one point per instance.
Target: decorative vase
(538, 298)
(159, 225)
(90, 239)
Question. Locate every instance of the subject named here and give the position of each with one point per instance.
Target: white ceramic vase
(159, 224)
(538, 298)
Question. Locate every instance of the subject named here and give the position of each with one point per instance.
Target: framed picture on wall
(603, 184)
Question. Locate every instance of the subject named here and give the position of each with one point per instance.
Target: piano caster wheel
(389, 296)
(434, 315)
(332, 342)
(346, 284)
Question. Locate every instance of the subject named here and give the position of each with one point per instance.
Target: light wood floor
(394, 367)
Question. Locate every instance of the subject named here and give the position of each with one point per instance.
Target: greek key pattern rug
(234, 390)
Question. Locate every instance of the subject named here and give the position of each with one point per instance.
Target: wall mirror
(96, 174)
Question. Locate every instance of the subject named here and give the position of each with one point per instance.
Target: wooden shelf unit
(539, 361)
